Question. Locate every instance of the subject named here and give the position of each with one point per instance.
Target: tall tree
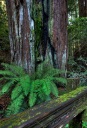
(50, 32)
(83, 13)
(60, 32)
(82, 8)
(4, 40)
(21, 26)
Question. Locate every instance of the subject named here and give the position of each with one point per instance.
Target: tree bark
(60, 33)
(82, 8)
(52, 34)
(82, 13)
(46, 41)
(42, 39)
(20, 33)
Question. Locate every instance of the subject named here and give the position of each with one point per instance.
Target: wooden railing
(53, 114)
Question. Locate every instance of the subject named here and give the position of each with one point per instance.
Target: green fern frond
(6, 73)
(52, 72)
(48, 98)
(18, 103)
(41, 96)
(54, 89)
(16, 92)
(41, 69)
(46, 86)
(32, 98)
(17, 70)
(48, 78)
(25, 84)
(11, 78)
(36, 84)
(1, 78)
(60, 80)
(15, 105)
(45, 69)
(7, 87)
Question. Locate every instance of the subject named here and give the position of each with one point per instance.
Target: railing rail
(53, 114)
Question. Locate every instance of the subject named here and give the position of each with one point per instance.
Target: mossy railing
(52, 114)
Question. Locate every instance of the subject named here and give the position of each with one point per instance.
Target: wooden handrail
(52, 114)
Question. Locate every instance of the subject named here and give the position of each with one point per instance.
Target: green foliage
(25, 90)
(72, 8)
(77, 37)
(67, 126)
(78, 29)
(37, 16)
(78, 69)
(84, 124)
(4, 40)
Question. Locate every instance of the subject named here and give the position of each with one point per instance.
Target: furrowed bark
(82, 8)
(60, 33)
(20, 33)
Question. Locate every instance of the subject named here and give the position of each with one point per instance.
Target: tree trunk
(46, 41)
(82, 13)
(50, 32)
(82, 8)
(43, 46)
(20, 33)
(60, 33)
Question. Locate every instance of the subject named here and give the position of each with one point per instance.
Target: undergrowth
(27, 90)
(78, 69)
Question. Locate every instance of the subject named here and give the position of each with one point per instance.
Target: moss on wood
(39, 111)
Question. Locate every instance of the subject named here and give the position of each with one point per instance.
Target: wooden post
(72, 83)
(76, 122)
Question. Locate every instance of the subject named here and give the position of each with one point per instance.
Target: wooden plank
(53, 114)
(72, 84)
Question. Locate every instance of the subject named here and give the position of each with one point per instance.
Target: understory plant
(78, 69)
(84, 124)
(27, 90)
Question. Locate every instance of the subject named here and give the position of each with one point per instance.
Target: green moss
(30, 114)
(37, 16)
(84, 117)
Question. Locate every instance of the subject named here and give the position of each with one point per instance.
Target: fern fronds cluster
(26, 91)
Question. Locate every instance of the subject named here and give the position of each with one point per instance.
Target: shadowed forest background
(43, 50)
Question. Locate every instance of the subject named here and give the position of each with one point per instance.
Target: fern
(26, 91)
(60, 80)
(16, 70)
(6, 73)
(32, 99)
(16, 92)
(17, 82)
(45, 69)
(54, 89)
(41, 96)
(7, 87)
(25, 84)
(46, 86)
(15, 105)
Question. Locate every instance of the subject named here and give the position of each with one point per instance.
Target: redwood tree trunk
(60, 33)
(82, 13)
(82, 8)
(54, 32)
(20, 33)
